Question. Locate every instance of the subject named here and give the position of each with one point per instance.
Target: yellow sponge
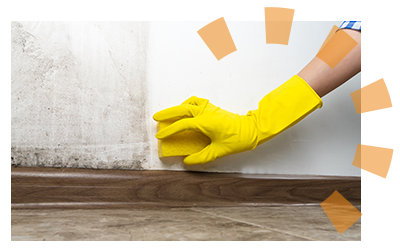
(181, 144)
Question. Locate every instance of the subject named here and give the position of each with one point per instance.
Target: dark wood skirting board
(38, 187)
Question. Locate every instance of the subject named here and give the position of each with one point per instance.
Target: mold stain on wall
(79, 95)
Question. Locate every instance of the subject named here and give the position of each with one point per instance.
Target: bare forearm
(323, 79)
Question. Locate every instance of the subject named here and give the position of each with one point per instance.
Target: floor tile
(310, 222)
(135, 224)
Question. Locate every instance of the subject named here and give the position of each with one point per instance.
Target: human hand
(229, 133)
(232, 133)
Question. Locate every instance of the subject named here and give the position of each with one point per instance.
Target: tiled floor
(299, 223)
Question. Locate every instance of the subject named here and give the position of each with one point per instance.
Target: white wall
(181, 65)
(83, 95)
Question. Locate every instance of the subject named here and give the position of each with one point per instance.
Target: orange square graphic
(278, 14)
(217, 37)
(278, 24)
(373, 159)
(340, 211)
(336, 48)
(330, 35)
(371, 97)
(356, 96)
(277, 32)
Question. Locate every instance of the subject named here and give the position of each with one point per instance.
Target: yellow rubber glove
(232, 133)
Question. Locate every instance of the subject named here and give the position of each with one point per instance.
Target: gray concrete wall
(78, 94)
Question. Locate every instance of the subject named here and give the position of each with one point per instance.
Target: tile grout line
(253, 224)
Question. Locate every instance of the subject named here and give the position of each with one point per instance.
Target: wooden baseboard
(37, 187)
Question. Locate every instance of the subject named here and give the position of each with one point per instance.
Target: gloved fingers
(177, 112)
(194, 100)
(206, 155)
(176, 127)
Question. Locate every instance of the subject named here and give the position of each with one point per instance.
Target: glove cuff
(284, 107)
